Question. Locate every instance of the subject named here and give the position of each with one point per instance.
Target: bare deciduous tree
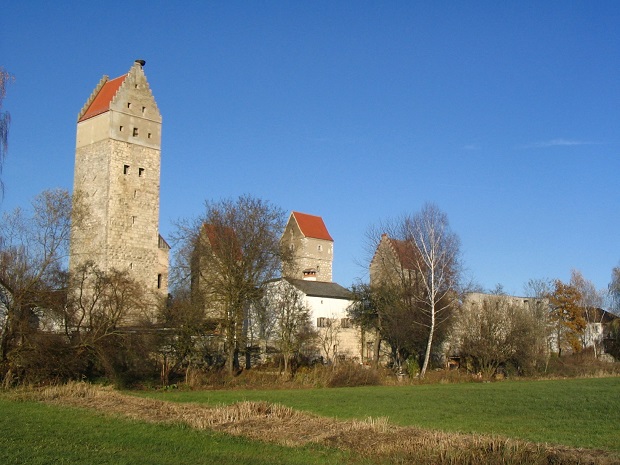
(438, 265)
(229, 254)
(291, 319)
(416, 261)
(614, 290)
(539, 288)
(328, 337)
(5, 121)
(101, 309)
(33, 252)
(497, 331)
(370, 304)
(590, 302)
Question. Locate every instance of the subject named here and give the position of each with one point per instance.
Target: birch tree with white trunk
(437, 263)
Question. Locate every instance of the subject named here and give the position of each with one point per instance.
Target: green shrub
(413, 367)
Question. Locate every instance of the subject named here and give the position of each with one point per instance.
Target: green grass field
(573, 412)
(578, 413)
(33, 434)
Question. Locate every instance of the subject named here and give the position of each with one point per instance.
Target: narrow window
(135, 132)
(120, 128)
(128, 105)
(319, 248)
(135, 194)
(140, 172)
(323, 322)
(126, 169)
(133, 220)
(159, 281)
(149, 135)
(143, 110)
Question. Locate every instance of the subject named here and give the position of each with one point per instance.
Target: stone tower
(312, 246)
(116, 180)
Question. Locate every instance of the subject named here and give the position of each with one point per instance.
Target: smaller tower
(312, 246)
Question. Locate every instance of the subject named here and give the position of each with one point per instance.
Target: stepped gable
(105, 94)
(404, 251)
(312, 226)
(99, 101)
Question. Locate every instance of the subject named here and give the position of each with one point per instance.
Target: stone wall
(309, 253)
(117, 183)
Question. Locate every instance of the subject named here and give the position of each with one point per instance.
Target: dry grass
(374, 438)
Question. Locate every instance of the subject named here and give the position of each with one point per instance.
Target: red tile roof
(405, 252)
(101, 103)
(222, 240)
(312, 226)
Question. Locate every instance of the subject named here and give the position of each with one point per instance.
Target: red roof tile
(312, 226)
(405, 252)
(222, 240)
(101, 103)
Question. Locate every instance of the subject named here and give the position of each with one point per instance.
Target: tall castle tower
(117, 171)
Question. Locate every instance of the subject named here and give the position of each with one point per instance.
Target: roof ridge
(316, 229)
(93, 95)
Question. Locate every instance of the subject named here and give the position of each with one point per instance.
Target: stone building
(312, 246)
(311, 275)
(393, 263)
(116, 182)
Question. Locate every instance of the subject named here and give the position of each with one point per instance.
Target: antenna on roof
(141, 62)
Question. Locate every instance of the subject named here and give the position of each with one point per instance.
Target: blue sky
(504, 114)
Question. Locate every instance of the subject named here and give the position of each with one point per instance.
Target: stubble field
(563, 421)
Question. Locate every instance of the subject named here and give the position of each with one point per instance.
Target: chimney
(141, 63)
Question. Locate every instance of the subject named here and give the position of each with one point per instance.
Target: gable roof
(102, 99)
(321, 289)
(404, 251)
(222, 240)
(312, 226)
(598, 315)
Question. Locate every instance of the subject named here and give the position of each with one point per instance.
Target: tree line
(228, 309)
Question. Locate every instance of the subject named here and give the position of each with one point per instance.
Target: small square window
(126, 169)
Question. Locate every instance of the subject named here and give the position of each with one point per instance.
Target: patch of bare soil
(373, 439)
